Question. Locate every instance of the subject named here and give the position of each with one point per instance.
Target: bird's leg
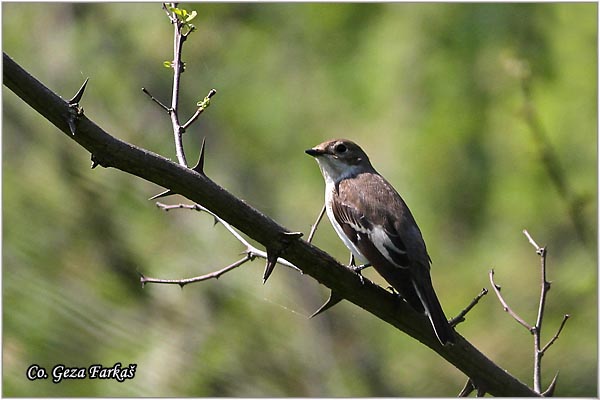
(357, 268)
(351, 263)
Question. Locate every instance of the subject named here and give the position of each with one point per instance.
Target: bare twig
(212, 275)
(535, 330)
(313, 228)
(461, 316)
(560, 328)
(505, 304)
(533, 243)
(154, 99)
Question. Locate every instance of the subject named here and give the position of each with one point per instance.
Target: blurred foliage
(430, 92)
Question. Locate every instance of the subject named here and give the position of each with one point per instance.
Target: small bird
(376, 225)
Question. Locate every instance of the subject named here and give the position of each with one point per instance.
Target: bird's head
(340, 159)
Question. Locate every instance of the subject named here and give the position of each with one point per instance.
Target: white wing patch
(384, 244)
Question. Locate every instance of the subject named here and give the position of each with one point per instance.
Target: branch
(560, 328)
(461, 316)
(109, 151)
(183, 282)
(202, 105)
(313, 228)
(535, 330)
(505, 306)
(178, 68)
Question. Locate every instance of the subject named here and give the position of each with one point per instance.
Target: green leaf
(176, 11)
(191, 16)
(203, 103)
(167, 64)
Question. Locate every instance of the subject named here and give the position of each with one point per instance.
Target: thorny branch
(535, 330)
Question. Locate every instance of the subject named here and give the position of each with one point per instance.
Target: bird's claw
(358, 270)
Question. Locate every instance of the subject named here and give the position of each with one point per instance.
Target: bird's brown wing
(382, 227)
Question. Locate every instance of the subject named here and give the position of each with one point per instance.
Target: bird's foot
(358, 270)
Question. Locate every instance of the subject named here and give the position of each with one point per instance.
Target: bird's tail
(433, 309)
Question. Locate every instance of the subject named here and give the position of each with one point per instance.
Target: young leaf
(191, 16)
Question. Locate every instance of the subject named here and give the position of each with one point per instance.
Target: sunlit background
(433, 93)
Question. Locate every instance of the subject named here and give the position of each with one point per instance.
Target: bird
(376, 225)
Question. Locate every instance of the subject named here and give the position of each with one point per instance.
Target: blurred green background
(432, 92)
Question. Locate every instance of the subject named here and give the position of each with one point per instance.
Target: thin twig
(212, 275)
(313, 228)
(533, 243)
(537, 329)
(461, 316)
(505, 305)
(560, 328)
(154, 99)
(203, 105)
(177, 66)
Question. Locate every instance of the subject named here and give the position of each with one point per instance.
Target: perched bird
(376, 225)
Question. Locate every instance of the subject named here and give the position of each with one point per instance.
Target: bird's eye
(340, 148)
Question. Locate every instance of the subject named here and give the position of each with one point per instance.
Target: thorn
(72, 127)
(467, 389)
(79, 94)
(270, 266)
(163, 194)
(95, 162)
(142, 279)
(273, 255)
(289, 236)
(199, 168)
(550, 391)
(333, 299)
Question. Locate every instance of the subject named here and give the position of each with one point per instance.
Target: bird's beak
(314, 152)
